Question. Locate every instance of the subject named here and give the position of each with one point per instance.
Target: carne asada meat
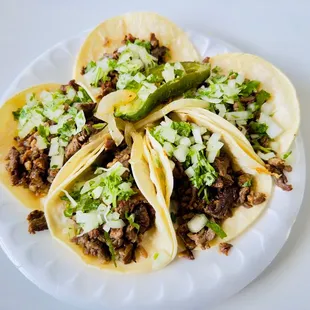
(36, 221)
(120, 244)
(225, 248)
(277, 166)
(29, 165)
(230, 190)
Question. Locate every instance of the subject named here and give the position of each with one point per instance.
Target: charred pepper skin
(195, 74)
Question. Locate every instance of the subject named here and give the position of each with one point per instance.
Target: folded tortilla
(107, 37)
(159, 242)
(9, 130)
(242, 217)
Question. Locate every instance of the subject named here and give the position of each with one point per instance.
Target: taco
(215, 190)
(141, 52)
(42, 129)
(108, 213)
(261, 103)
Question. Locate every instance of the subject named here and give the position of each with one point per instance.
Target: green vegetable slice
(195, 74)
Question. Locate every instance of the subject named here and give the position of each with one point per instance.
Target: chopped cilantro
(184, 129)
(190, 94)
(261, 97)
(216, 70)
(247, 184)
(249, 87)
(85, 127)
(68, 212)
(258, 147)
(16, 114)
(99, 126)
(111, 248)
(286, 155)
(145, 44)
(131, 219)
(205, 174)
(258, 128)
(155, 256)
(89, 66)
(217, 229)
(43, 131)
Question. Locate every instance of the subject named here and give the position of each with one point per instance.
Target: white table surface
(276, 30)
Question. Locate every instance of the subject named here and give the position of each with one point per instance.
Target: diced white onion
(222, 109)
(239, 115)
(41, 144)
(274, 130)
(168, 147)
(240, 78)
(53, 129)
(168, 72)
(185, 141)
(197, 223)
(190, 172)
(197, 147)
(80, 121)
(116, 224)
(71, 93)
(213, 146)
(196, 133)
(97, 192)
(57, 161)
(168, 134)
(180, 153)
(88, 221)
(126, 186)
(27, 128)
(266, 156)
(275, 145)
(54, 148)
(267, 108)
(211, 100)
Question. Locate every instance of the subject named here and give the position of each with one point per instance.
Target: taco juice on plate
(108, 212)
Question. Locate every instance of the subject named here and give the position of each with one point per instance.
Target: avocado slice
(195, 74)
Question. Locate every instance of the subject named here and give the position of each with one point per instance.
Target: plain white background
(277, 30)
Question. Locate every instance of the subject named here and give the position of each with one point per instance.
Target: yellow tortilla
(107, 37)
(283, 94)
(8, 130)
(242, 217)
(159, 241)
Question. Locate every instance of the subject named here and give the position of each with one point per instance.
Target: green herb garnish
(131, 219)
(247, 184)
(99, 126)
(16, 114)
(217, 229)
(111, 248)
(286, 155)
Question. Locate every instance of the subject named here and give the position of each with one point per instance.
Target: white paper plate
(183, 284)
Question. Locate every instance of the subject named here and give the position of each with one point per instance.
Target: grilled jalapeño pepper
(194, 74)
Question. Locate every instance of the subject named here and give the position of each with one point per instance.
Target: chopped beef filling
(36, 221)
(230, 190)
(125, 241)
(277, 166)
(29, 166)
(225, 248)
